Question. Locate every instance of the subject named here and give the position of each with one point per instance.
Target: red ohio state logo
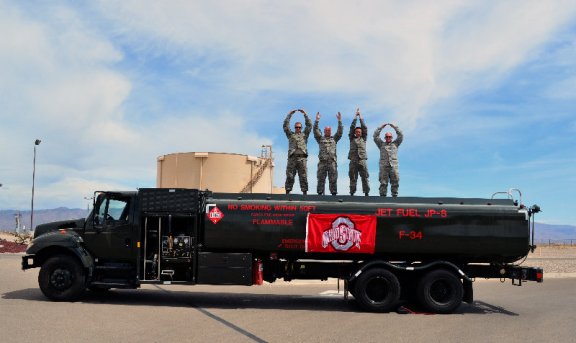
(215, 215)
(342, 235)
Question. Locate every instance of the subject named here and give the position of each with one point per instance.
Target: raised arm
(399, 135)
(317, 133)
(340, 130)
(364, 129)
(362, 125)
(286, 126)
(377, 138)
(353, 125)
(308, 122)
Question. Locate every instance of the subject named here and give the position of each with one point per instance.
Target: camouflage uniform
(388, 162)
(327, 158)
(297, 154)
(358, 157)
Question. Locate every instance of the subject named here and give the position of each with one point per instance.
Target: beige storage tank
(218, 172)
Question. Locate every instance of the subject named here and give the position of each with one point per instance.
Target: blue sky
(483, 90)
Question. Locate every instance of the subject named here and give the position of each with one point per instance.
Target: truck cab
(129, 238)
(99, 252)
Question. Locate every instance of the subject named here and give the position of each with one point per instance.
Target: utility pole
(89, 199)
(36, 143)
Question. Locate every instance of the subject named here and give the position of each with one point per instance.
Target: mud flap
(468, 292)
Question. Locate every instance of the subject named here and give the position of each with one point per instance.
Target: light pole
(36, 142)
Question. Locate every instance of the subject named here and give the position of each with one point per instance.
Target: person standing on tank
(297, 151)
(357, 154)
(327, 159)
(388, 159)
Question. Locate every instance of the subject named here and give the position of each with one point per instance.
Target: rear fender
(409, 268)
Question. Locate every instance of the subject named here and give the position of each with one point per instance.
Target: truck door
(110, 235)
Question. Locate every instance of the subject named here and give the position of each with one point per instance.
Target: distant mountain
(8, 220)
(543, 232)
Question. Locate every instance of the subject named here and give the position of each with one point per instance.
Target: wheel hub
(61, 279)
(440, 291)
(377, 290)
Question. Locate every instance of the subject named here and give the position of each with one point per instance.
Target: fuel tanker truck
(387, 250)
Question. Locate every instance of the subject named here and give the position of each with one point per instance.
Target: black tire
(62, 278)
(440, 291)
(377, 290)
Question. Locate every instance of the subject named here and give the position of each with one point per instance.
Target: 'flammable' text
(286, 222)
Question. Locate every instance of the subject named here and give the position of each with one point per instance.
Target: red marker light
(62, 231)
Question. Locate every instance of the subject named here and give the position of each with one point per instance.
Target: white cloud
(400, 55)
(486, 40)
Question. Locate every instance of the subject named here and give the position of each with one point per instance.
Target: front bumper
(28, 262)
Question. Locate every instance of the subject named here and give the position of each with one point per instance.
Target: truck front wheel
(377, 290)
(62, 278)
(440, 291)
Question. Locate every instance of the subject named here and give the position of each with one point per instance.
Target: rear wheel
(440, 291)
(377, 290)
(62, 278)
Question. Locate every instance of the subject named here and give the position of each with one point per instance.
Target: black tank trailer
(407, 229)
(385, 249)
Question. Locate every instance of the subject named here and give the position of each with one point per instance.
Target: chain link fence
(557, 242)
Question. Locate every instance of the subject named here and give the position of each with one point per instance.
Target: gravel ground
(553, 259)
(11, 247)
(8, 244)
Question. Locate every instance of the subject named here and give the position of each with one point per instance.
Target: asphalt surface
(281, 312)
